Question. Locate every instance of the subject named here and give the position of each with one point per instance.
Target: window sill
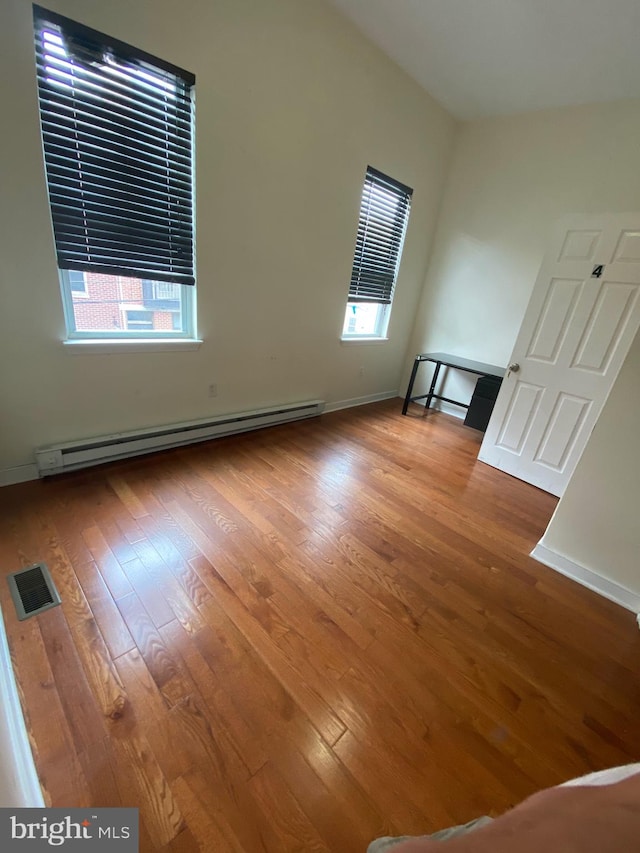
(363, 340)
(94, 346)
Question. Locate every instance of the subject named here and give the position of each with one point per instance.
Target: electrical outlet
(361, 371)
(213, 390)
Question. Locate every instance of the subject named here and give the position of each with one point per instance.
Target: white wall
(510, 179)
(596, 525)
(292, 104)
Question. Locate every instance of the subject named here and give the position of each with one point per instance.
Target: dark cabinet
(482, 402)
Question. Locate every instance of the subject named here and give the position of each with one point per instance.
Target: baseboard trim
(24, 473)
(21, 474)
(19, 785)
(359, 401)
(587, 577)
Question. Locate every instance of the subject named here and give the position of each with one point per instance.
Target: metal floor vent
(33, 591)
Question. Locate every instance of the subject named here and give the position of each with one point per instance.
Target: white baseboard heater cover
(107, 448)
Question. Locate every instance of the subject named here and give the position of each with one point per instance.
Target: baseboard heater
(107, 448)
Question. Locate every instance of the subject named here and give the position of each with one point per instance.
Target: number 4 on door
(597, 271)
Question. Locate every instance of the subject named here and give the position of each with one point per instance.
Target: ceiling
(496, 57)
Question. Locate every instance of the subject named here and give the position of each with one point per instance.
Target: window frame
(376, 179)
(131, 61)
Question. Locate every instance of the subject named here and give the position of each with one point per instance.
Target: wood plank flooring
(306, 637)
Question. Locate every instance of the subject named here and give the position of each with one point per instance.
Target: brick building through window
(117, 303)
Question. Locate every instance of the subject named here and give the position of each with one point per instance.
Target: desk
(440, 359)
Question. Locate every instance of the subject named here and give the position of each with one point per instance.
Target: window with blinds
(117, 137)
(384, 214)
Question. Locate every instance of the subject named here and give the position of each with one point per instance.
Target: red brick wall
(162, 320)
(99, 311)
(131, 289)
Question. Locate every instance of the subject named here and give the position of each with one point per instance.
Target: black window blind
(117, 137)
(384, 213)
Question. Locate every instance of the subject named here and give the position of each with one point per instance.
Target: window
(164, 291)
(117, 134)
(139, 319)
(77, 283)
(102, 309)
(384, 213)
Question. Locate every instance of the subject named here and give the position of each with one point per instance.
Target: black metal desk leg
(432, 387)
(407, 399)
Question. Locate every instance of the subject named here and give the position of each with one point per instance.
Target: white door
(582, 317)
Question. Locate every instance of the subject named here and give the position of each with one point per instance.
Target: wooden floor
(303, 638)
